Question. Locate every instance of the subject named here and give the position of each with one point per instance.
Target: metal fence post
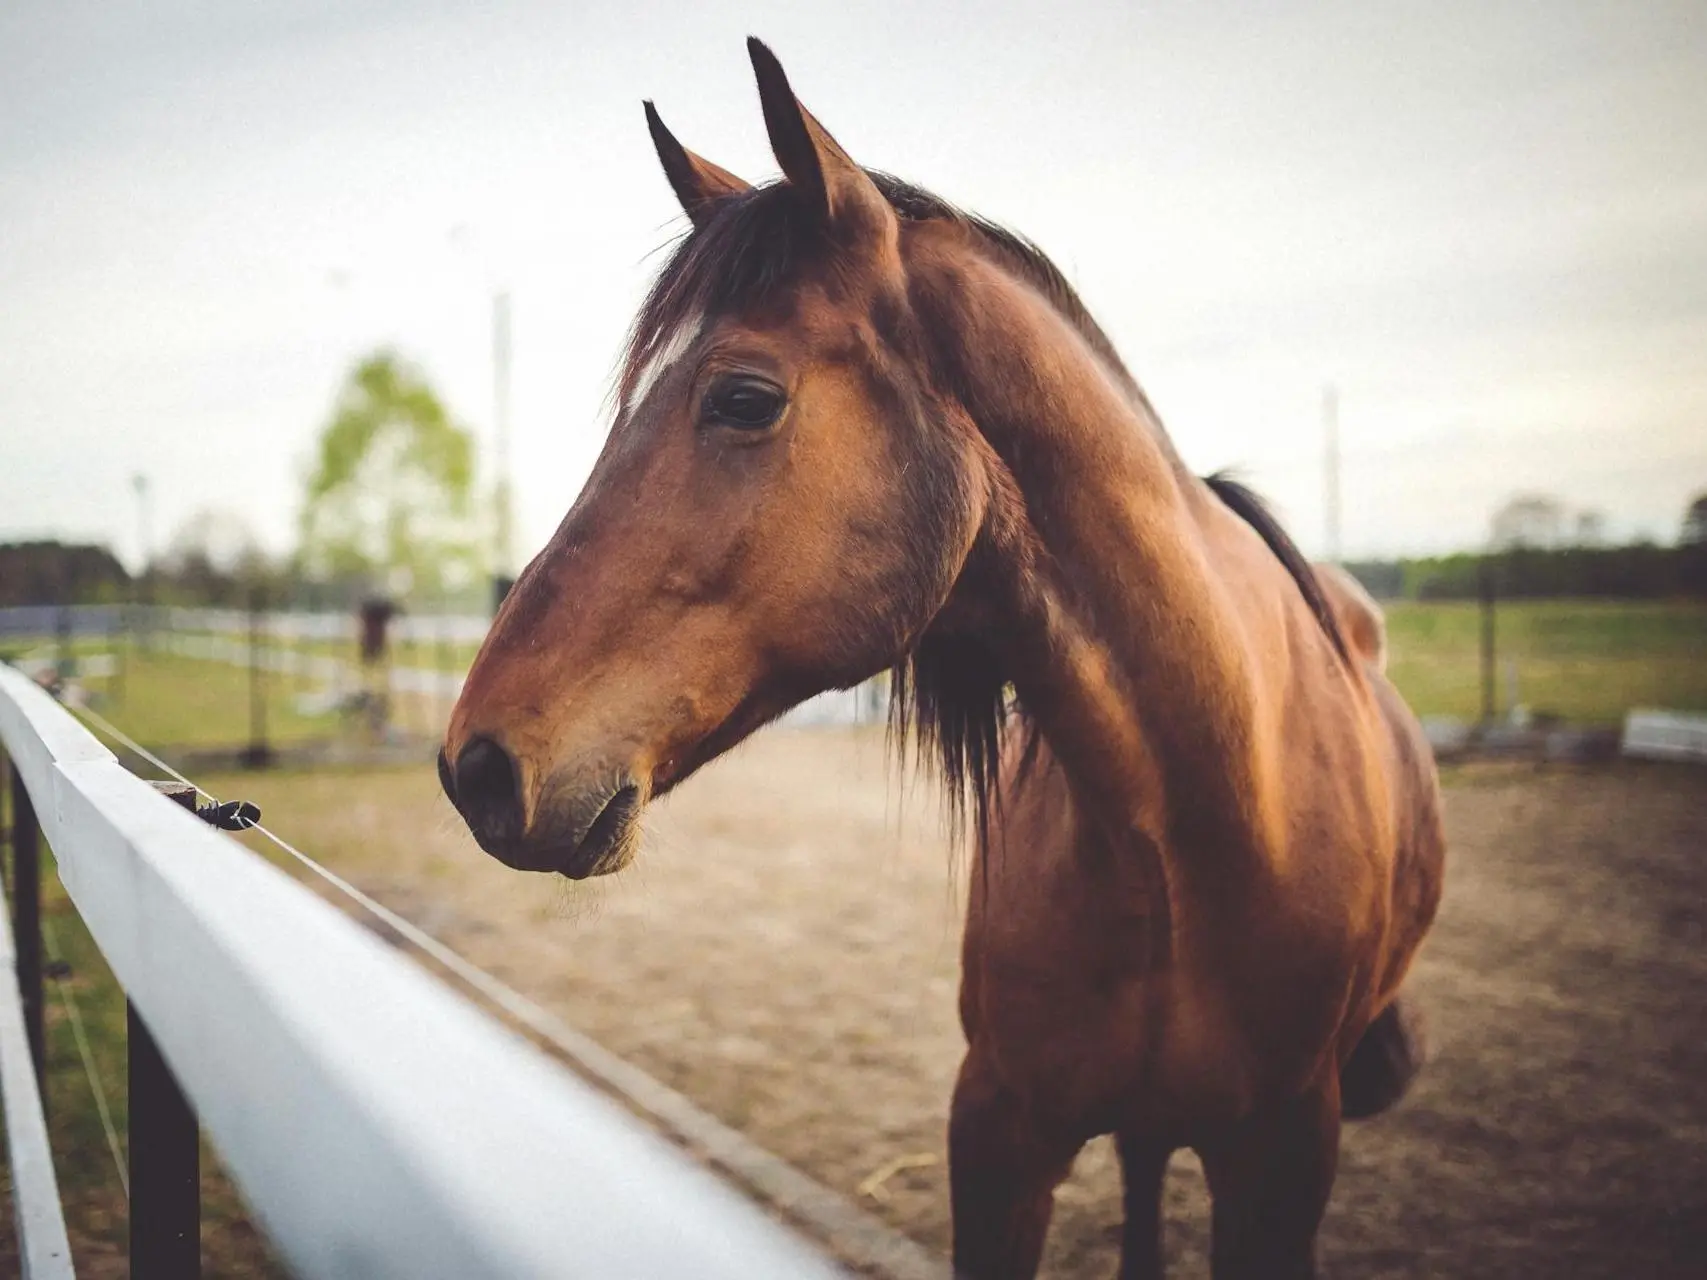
(165, 1150)
(118, 641)
(258, 754)
(26, 921)
(1487, 591)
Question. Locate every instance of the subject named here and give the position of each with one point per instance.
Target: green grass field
(1587, 660)
(164, 700)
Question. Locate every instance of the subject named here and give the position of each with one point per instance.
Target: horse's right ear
(810, 158)
(698, 183)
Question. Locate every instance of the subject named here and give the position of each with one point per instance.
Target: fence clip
(233, 815)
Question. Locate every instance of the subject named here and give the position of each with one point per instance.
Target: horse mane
(1249, 507)
(948, 695)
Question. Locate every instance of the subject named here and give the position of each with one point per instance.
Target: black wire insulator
(233, 815)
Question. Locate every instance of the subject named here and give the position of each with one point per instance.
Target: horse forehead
(666, 353)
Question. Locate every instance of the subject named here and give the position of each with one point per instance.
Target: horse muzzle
(576, 827)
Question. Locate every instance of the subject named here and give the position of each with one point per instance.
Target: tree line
(1640, 571)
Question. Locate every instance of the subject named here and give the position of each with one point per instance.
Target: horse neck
(1125, 633)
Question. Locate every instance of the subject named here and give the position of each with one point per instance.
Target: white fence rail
(44, 1253)
(1665, 735)
(378, 1125)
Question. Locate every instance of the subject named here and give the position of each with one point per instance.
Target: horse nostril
(488, 792)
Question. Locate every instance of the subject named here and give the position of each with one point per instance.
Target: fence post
(118, 636)
(66, 663)
(26, 921)
(444, 665)
(258, 755)
(1485, 590)
(165, 1149)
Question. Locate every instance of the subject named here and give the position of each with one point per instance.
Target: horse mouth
(609, 841)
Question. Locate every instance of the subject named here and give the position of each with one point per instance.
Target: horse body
(1212, 875)
(860, 430)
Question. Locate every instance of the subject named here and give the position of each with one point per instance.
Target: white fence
(223, 635)
(44, 1253)
(1665, 735)
(377, 1124)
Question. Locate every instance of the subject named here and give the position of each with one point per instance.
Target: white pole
(1331, 432)
(502, 550)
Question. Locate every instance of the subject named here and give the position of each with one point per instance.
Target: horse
(857, 429)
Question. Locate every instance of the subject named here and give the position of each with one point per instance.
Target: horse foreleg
(1269, 1181)
(1143, 1166)
(1003, 1172)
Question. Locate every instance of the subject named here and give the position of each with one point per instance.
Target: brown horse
(858, 430)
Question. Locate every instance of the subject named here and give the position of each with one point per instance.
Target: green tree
(1694, 532)
(390, 499)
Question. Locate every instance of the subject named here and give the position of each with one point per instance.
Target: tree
(59, 573)
(389, 500)
(213, 558)
(1694, 531)
(1590, 529)
(1529, 520)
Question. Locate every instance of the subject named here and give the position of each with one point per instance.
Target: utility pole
(1331, 460)
(139, 482)
(502, 550)
(145, 557)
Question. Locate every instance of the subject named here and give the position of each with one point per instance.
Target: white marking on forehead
(664, 358)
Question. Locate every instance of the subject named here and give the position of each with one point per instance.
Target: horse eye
(748, 404)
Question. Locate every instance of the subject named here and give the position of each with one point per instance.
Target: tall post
(445, 667)
(118, 643)
(501, 427)
(1331, 461)
(1486, 590)
(165, 1149)
(258, 754)
(144, 556)
(26, 920)
(502, 534)
(66, 663)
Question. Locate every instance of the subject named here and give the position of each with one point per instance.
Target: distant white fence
(222, 635)
(1665, 735)
(377, 1124)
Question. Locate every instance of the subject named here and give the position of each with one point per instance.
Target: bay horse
(858, 430)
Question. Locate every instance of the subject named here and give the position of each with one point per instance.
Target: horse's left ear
(810, 158)
(698, 183)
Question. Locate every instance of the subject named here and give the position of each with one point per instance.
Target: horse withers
(859, 430)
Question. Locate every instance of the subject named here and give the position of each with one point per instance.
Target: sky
(1484, 223)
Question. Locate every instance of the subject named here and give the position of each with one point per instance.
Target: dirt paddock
(785, 952)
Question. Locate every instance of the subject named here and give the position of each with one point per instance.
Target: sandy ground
(785, 952)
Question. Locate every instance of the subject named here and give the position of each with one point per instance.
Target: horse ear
(698, 183)
(810, 158)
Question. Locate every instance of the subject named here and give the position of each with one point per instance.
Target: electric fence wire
(74, 1015)
(859, 1238)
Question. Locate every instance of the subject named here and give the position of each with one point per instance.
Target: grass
(165, 700)
(1587, 660)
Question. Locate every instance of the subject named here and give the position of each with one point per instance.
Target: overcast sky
(1485, 222)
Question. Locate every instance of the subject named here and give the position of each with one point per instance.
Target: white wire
(107, 727)
(69, 999)
(862, 1239)
(505, 997)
